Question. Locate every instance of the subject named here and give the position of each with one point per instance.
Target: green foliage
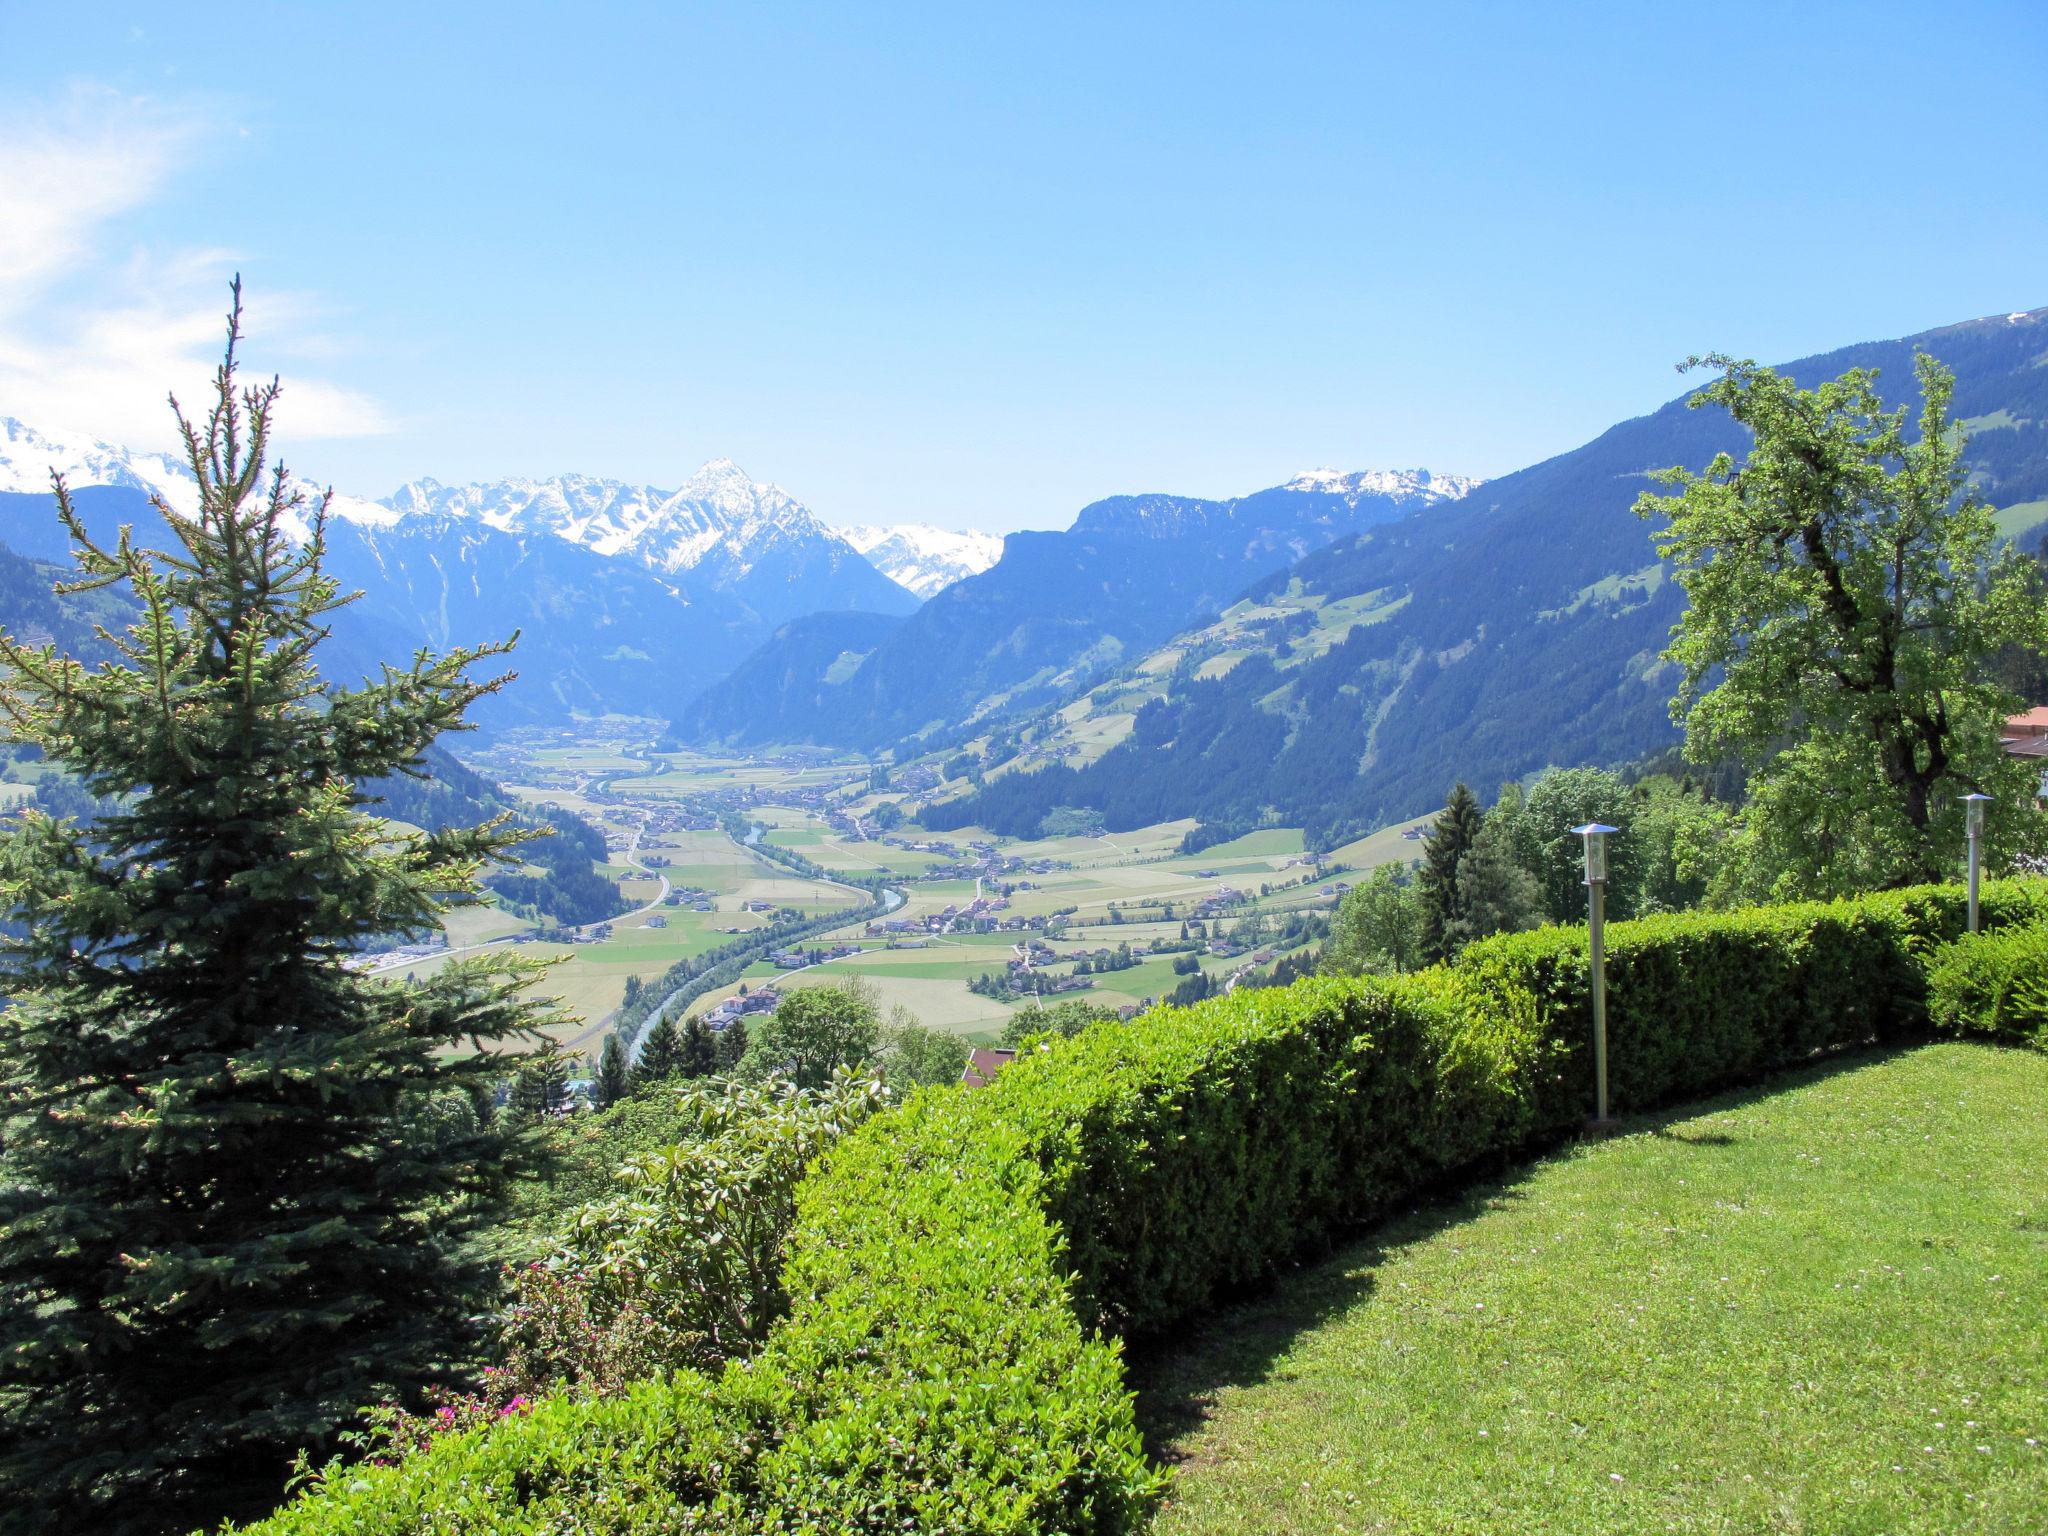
(614, 1078)
(1846, 610)
(698, 1053)
(957, 1268)
(661, 1054)
(584, 1155)
(1070, 821)
(1451, 837)
(1378, 927)
(540, 1089)
(694, 1243)
(1062, 1020)
(1497, 893)
(914, 1055)
(233, 1209)
(813, 1032)
(732, 1045)
(1537, 827)
(1994, 983)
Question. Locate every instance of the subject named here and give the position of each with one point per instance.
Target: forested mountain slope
(1060, 609)
(1515, 629)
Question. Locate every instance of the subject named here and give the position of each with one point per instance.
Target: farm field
(1809, 1307)
(1132, 888)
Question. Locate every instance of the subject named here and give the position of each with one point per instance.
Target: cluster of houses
(1224, 900)
(797, 959)
(760, 1000)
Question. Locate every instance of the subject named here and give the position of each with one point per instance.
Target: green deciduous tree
(1846, 607)
(812, 1033)
(1536, 826)
(914, 1055)
(1062, 1019)
(1378, 926)
(221, 1234)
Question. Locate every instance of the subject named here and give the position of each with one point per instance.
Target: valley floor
(1127, 888)
(1815, 1307)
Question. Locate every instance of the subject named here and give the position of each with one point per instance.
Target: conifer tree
(661, 1053)
(614, 1079)
(1452, 836)
(732, 1045)
(698, 1056)
(217, 1242)
(541, 1089)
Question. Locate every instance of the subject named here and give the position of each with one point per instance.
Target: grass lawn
(1818, 1307)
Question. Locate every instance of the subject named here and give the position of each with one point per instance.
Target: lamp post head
(1973, 813)
(1596, 833)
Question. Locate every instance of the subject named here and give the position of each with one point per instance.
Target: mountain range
(1331, 652)
(1515, 628)
(1058, 610)
(628, 598)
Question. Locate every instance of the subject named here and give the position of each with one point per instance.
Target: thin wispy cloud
(96, 324)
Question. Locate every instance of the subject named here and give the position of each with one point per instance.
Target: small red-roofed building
(983, 1063)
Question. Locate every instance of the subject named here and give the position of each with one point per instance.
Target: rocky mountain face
(1059, 609)
(627, 598)
(720, 531)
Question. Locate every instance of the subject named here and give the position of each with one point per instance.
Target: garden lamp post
(1973, 823)
(1596, 834)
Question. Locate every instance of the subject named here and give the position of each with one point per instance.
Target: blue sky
(979, 266)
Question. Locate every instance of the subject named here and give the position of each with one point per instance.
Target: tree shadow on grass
(1178, 1379)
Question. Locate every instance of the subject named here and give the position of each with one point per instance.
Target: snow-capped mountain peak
(28, 454)
(1403, 484)
(721, 526)
(923, 558)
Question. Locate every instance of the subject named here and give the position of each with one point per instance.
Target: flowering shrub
(694, 1244)
(559, 1336)
(683, 1268)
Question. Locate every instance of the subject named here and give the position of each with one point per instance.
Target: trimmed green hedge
(1995, 984)
(960, 1268)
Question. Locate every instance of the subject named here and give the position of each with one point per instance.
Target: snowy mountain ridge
(719, 515)
(1419, 485)
(29, 454)
(925, 559)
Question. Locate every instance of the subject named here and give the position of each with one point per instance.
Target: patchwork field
(1130, 888)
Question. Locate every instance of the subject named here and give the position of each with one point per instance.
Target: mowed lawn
(1820, 1307)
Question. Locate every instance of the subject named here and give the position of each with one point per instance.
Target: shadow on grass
(1245, 1342)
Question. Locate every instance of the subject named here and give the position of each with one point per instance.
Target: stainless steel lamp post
(1973, 822)
(1596, 834)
